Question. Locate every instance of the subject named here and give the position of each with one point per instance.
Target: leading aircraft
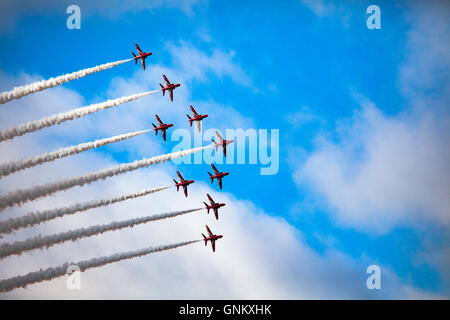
(162, 126)
(214, 206)
(211, 237)
(223, 143)
(169, 86)
(183, 183)
(197, 117)
(217, 175)
(141, 55)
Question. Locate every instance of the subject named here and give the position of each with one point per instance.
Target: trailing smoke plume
(21, 196)
(52, 273)
(34, 218)
(14, 166)
(39, 242)
(59, 118)
(19, 92)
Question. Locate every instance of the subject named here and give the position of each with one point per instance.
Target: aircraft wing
(216, 213)
(224, 150)
(213, 245)
(210, 199)
(143, 63)
(166, 80)
(185, 190)
(209, 231)
(164, 134)
(215, 169)
(220, 183)
(179, 176)
(138, 49)
(218, 134)
(193, 111)
(159, 120)
(171, 94)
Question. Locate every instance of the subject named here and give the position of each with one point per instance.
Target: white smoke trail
(14, 166)
(19, 92)
(39, 242)
(34, 218)
(59, 118)
(55, 272)
(21, 196)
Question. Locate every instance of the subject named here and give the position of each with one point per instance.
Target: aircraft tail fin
(190, 120)
(204, 239)
(214, 143)
(176, 183)
(156, 131)
(162, 87)
(135, 60)
(207, 208)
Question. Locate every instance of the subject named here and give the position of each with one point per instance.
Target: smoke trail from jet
(55, 272)
(14, 166)
(34, 218)
(19, 92)
(40, 242)
(59, 118)
(21, 196)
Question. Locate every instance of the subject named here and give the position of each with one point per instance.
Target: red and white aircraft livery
(183, 183)
(169, 86)
(197, 118)
(211, 237)
(217, 175)
(214, 206)
(223, 143)
(141, 55)
(162, 126)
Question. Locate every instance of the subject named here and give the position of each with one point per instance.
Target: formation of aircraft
(183, 183)
(141, 55)
(214, 206)
(197, 117)
(223, 143)
(162, 126)
(169, 86)
(211, 237)
(217, 175)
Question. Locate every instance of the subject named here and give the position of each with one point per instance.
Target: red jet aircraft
(218, 175)
(214, 206)
(169, 86)
(211, 237)
(162, 126)
(197, 117)
(141, 55)
(183, 183)
(223, 143)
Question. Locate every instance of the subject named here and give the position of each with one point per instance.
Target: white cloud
(377, 171)
(194, 63)
(382, 171)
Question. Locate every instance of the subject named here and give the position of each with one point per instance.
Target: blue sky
(343, 97)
